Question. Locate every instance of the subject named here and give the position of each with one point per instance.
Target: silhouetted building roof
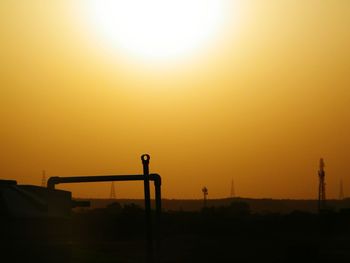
(29, 201)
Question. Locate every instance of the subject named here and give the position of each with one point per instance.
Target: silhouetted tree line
(231, 233)
(124, 222)
(234, 209)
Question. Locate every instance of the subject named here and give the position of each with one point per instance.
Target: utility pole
(43, 179)
(321, 186)
(112, 195)
(341, 190)
(205, 194)
(232, 189)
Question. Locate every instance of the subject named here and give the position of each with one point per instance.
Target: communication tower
(205, 194)
(232, 189)
(43, 179)
(322, 186)
(341, 190)
(112, 195)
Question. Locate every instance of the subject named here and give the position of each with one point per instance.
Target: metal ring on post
(145, 159)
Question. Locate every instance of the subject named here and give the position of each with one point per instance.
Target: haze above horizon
(260, 99)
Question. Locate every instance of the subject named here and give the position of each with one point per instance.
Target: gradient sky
(261, 103)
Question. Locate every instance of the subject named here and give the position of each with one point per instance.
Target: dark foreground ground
(223, 234)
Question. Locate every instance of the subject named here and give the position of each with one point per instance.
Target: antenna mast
(341, 190)
(112, 195)
(232, 189)
(205, 194)
(43, 179)
(322, 186)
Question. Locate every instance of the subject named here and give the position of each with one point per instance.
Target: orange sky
(261, 104)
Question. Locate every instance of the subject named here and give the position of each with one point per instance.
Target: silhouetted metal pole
(157, 186)
(43, 179)
(149, 239)
(205, 193)
(321, 187)
(341, 190)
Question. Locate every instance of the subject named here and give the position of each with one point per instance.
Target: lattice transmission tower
(321, 186)
(112, 194)
(233, 193)
(205, 194)
(43, 179)
(341, 190)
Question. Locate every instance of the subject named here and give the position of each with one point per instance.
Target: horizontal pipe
(105, 178)
(100, 178)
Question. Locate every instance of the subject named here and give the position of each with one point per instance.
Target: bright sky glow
(259, 96)
(157, 29)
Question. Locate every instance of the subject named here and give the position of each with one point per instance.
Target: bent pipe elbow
(52, 182)
(156, 178)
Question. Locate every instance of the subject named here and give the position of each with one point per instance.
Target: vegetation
(228, 233)
(221, 234)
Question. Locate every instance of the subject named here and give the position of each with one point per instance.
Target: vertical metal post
(205, 193)
(149, 239)
(157, 185)
(321, 187)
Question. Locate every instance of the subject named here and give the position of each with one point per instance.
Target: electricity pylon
(43, 179)
(205, 194)
(321, 186)
(112, 195)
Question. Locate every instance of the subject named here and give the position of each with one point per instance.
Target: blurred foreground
(229, 233)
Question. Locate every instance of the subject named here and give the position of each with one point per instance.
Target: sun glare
(157, 29)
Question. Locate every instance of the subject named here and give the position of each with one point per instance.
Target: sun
(156, 29)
